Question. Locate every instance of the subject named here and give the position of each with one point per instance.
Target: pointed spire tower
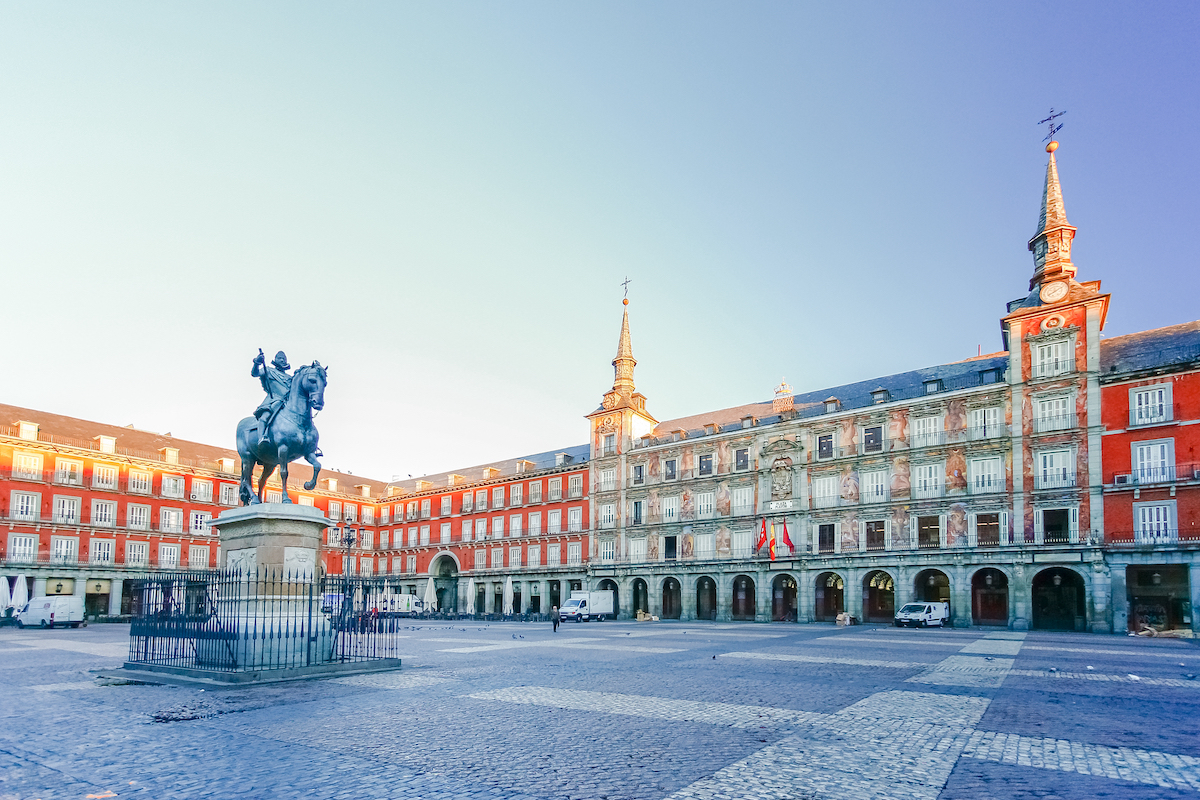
(622, 413)
(1051, 244)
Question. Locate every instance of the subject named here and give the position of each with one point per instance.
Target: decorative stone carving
(781, 479)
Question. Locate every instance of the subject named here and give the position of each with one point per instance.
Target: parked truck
(61, 610)
(584, 606)
(923, 615)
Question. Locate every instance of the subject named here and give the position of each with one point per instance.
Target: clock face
(1053, 292)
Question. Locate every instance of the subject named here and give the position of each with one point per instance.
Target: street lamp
(349, 539)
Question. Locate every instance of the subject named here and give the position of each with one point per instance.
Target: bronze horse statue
(291, 436)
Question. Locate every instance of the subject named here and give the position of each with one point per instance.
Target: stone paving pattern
(624, 710)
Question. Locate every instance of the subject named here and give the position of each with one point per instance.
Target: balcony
(1056, 480)
(984, 432)
(929, 439)
(1064, 422)
(1151, 415)
(926, 491)
(1148, 476)
(1053, 368)
(1148, 537)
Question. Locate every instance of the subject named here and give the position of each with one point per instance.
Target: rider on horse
(276, 382)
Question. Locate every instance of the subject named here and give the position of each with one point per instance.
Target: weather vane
(1050, 126)
(626, 283)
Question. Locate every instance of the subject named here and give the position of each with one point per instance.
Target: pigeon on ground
(515, 636)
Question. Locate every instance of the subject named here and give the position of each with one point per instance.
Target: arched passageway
(743, 598)
(932, 586)
(783, 598)
(989, 597)
(1059, 600)
(830, 592)
(611, 586)
(445, 582)
(672, 606)
(879, 597)
(641, 597)
(706, 598)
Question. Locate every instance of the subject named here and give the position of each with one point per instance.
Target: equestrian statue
(281, 429)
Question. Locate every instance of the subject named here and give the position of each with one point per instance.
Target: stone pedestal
(282, 537)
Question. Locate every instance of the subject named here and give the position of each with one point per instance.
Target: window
(1054, 469)
(366, 566)
(637, 549)
(610, 444)
(63, 549)
(705, 545)
(986, 475)
(637, 512)
(515, 495)
(929, 532)
(104, 513)
(535, 524)
(481, 529)
(497, 527)
(199, 522)
(137, 517)
(410, 511)
(514, 525)
(139, 482)
(743, 501)
(514, 556)
(553, 555)
(706, 464)
(170, 520)
(481, 500)
(349, 512)
(424, 535)
(480, 560)
(447, 504)
(825, 445)
(444, 533)
(498, 497)
(574, 553)
(927, 480)
(927, 431)
(639, 474)
(466, 530)
(1053, 414)
(825, 491)
(1148, 406)
(137, 554)
(410, 563)
(368, 515)
(104, 476)
(274, 496)
(28, 467)
(669, 469)
(229, 494)
(670, 508)
(497, 558)
(608, 515)
(1052, 358)
(534, 555)
(202, 491)
(705, 502)
(741, 459)
(197, 556)
(608, 550)
(172, 486)
(302, 500)
(66, 510)
(383, 540)
(108, 444)
(608, 480)
(68, 472)
(872, 439)
(874, 486)
(876, 534)
(985, 422)
(25, 506)
(574, 519)
(535, 492)
(168, 556)
(22, 548)
(385, 514)
(575, 486)
(1055, 524)
(335, 511)
(742, 544)
(102, 551)
(466, 503)
(987, 530)
(1153, 461)
(1154, 523)
(554, 522)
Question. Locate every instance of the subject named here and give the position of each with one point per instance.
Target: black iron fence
(229, 621)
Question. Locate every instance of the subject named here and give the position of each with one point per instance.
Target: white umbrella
(471, 597)
(508, 597)
(430, 596)
(20, 595)
(5, 600)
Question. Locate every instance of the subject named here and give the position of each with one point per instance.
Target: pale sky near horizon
(440, 200)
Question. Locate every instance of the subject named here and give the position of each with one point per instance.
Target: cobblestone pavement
(624, 710)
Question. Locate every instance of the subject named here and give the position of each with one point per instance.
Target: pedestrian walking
(555, 617)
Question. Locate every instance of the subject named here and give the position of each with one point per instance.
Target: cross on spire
(626, 283)
(1050, 126)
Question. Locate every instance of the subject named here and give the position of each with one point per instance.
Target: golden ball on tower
(1050, 148)
(625, 301)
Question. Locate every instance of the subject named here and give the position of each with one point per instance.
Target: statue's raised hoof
(309, 485)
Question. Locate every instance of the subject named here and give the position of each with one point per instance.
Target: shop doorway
(1059, 600)
(989, 597)
(879, 597)
(706, 599)
(672, 606)
(830, 591)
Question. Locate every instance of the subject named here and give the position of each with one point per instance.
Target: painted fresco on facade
(898, 428)
(956, 526)
(900, 482)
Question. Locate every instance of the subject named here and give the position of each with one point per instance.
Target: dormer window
(831, 405)
(225, 464)
(27, 431)
(332, 483)
(169, 454)
(880, 395)
(933, 386)
(106, 444)
(710, 428)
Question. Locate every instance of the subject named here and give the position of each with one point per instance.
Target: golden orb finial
(1050, 148)
(625, 301)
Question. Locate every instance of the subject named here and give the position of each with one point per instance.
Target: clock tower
(622, 415)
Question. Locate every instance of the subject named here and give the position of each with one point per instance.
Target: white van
(63, 610)
(923, 615)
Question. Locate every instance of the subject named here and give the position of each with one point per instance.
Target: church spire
(624, 363)
(1051, 244)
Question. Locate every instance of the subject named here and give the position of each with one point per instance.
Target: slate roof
(578, 455)
(1161, 347)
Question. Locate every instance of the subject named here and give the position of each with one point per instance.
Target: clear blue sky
(447, 196)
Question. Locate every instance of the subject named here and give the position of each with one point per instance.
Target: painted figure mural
(847, 436)
(723, 463)
(722, 501)
(849, 534)
(900, 534)
(956, 471)
(956, 526)
(901, 481)
(685, 505)
(956, 419)
(652, 466)
(848, 489)
(898, 428)
(723, 540)
(688, 547)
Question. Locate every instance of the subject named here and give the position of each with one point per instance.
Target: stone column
(654, 595)
(904, 586)
(489, 597)
(39, 587)
(687, 590)
(1019, 596)
(960, 597)
(806, 595)
(1194, 585)
(117, 585)
(1101, 605)
(853, 597)
(724, 597)
(1120, 597)
(762, 596)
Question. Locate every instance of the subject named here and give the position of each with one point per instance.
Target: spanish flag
(772, 540)
(762, 537)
